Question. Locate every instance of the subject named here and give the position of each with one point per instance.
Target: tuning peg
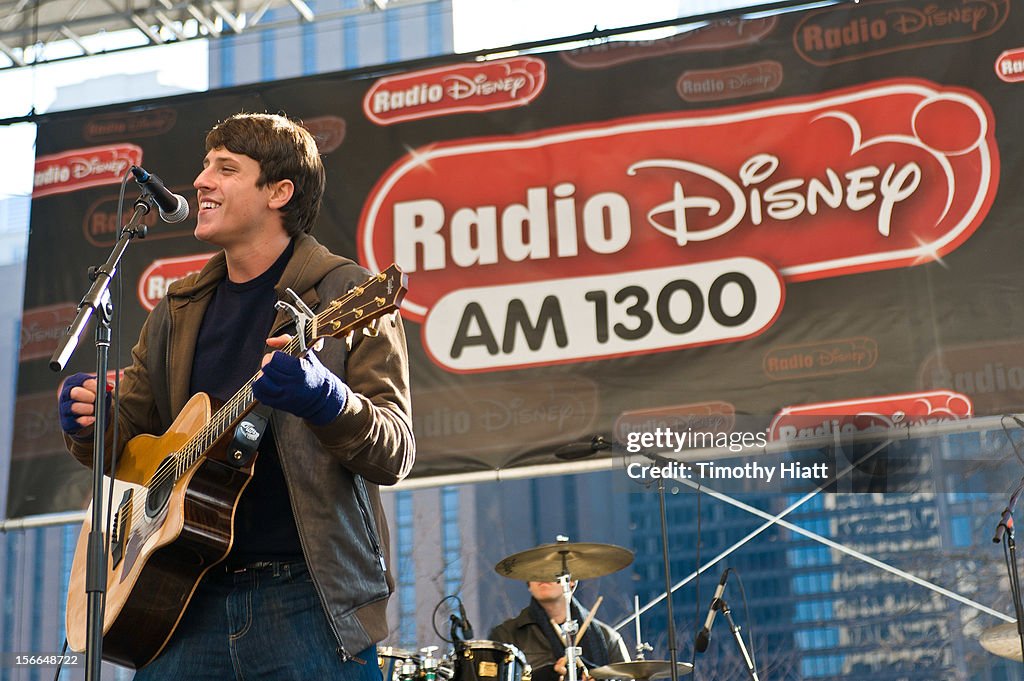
(349, 337)
(373, 329)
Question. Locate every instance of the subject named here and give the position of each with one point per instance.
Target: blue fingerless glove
(67, 419)
(303, 387)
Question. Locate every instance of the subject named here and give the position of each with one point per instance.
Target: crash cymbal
(546, 562)
(640, 669)
(1002, 640)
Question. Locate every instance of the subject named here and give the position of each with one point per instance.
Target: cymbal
(640, 669)
(391, 651)
(1002, 640)
(544, 563)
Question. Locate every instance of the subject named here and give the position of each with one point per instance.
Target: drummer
(537, 632)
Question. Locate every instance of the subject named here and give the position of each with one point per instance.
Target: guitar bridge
(120, 528)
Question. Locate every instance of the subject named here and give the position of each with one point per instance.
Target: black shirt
(230, 346)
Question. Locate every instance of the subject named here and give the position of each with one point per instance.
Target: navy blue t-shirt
(231, 343)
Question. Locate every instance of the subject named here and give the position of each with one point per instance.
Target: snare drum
(397, 664)
(490, 661)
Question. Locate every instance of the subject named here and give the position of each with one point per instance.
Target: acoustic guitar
(175, 494)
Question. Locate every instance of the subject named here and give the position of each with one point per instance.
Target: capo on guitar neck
(302, 316)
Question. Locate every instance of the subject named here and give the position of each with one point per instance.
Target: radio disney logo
(714, 36)
(455, 89)
(461, 87)
(866, 190)
(1010, 65)
(883, 412)
(42, 328)
(664, 231)
(163, 272)
(80, 168)
(856, 190)
(836, 35)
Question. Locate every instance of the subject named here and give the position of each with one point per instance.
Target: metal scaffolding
(45, 31)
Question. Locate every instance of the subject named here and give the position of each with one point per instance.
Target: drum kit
(480, 660)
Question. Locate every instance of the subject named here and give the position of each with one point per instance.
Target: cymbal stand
(724, 607)
(641, 645)
(570, 626)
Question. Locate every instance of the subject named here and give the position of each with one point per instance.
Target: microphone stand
(724, 607)
(672, 654)
(1004, 532)
(97, 301)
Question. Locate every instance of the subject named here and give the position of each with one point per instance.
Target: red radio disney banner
(672, 231)
(455, 89)
(69, 171)
(714, 36)
(846, 417)
(162, 273)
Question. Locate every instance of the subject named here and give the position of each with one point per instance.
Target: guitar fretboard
(340, 317)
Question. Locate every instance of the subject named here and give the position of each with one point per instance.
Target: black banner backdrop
(795, 216)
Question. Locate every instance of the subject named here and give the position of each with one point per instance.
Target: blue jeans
(264, 623)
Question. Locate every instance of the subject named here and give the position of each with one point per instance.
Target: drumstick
(558, 630)
(586, 622)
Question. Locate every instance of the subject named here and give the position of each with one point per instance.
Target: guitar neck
(227, 417)
(358, 309)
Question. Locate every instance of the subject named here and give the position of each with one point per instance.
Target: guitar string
(206, 436)
(193, 449)
(240, 399)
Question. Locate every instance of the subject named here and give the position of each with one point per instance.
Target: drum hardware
(642, 646)
(569, 627)
(641, 670)
(564, 562)
(1002, 640)
(397, 664)
(429, 663)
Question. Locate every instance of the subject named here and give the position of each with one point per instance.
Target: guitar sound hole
(160, 489)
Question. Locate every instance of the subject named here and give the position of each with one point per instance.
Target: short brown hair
(285, 151)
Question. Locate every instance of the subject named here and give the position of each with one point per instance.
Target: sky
(183, 65)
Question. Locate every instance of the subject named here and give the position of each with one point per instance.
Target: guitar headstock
(363, 305)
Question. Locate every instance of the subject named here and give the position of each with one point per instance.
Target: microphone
(579, 450)
(704, 635)
(173, 207)
(467, 628)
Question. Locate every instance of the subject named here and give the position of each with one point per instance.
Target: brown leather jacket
(332, 471)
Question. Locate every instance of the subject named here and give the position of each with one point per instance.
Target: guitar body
(166, 540)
